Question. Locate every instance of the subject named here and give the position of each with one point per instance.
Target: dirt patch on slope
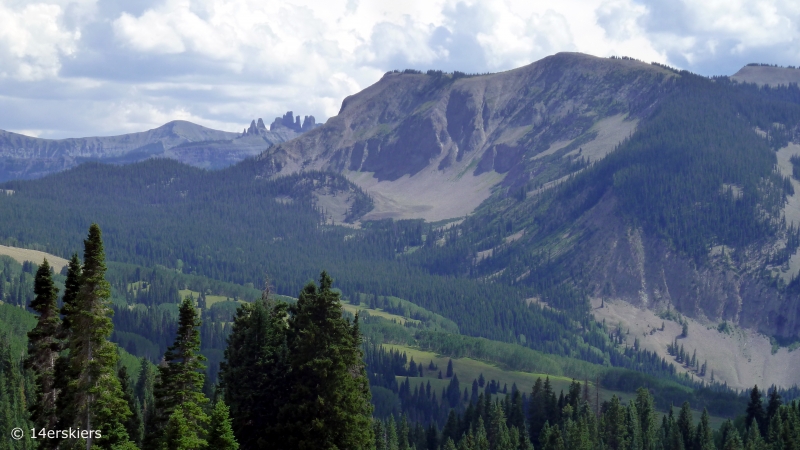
(741, 358)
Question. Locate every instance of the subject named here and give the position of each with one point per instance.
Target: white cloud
(32, 41)
(120, 65)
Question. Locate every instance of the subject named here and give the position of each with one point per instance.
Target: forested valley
(176, 341)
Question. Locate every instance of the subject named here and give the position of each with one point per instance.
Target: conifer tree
(614, 431)
(732, 441)
(380, 435)
(392, 442)
(134, 425)
(255, 374)
(755, 411)
(43, 348)
(686, 425)
(704, 435)
(180, 433)
(94, 389)
(65, 405)
(329, 402)
(180, 382)
(647, 418)
(220, 431)
(144, 389)
(753, 440)
(774, 403)
(402, 434)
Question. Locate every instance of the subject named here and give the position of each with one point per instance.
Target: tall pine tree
(95, 391)
(179, 391)
(255, 374)
(329, 404)
(43, 348)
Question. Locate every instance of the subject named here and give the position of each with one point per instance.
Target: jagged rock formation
(293, 123)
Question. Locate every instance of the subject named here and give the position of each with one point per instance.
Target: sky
(75, 68)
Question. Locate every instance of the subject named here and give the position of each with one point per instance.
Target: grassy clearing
(210, 299)
(35, 256)
(352, 308)
(469, 369)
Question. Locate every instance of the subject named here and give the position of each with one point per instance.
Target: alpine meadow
(582, 253)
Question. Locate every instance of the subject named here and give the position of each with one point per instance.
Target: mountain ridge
(459, 133)
(25, 157)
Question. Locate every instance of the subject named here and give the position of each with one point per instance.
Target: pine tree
(614, 432)
(94, 389)
(392, 442)
(647, 418)
(755, 411)
(144, 389)
(329, 401)
(753, 440)
(254, 375)
(732, 442)
(449, 368)
(220, 431)
(774, 403)
(134, 426)
(65, 405)
(686, 425)
(180, 381)
(704, 435)
(43, 348)
(402, 434)
(180, 433)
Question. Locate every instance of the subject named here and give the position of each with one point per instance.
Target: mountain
(435, 145)
(524, 152)
(24, 157)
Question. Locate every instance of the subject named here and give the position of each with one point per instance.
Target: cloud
(33, 40)
(717, 37)
(89, 67)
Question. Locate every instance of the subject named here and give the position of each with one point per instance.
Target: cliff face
(457, 129)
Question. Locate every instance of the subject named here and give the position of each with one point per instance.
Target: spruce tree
(704, 435)
(43, 348)
(65, 405)
(180, 381)
(95, 391)
(254, 377)
(755, 411)
(220, 432)
(134, 424)
(145, 385)
(329, 402)
(647, 418)
(180, 433)
(686, 425)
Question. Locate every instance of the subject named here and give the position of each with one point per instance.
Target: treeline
(571, 421)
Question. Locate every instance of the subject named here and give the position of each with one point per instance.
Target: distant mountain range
(24, 157)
